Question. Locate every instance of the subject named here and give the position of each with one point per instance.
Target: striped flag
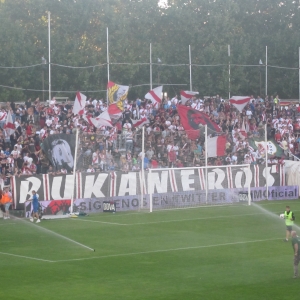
(155, 95)
(239, 102)
(79, 104)
(9, 126)
(139, 123)
(187, 95)
(102, 120)
(216, 146)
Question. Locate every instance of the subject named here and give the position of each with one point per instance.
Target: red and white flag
(139, 123)
(79, 104)
(114, 111)
(9, 126)
(243, 133)
(155, 95)
(216, 146)
(239, 102)
(102, 120)
(187, 95)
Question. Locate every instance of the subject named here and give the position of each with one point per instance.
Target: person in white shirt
(126, 126)
(49, 121)
(95, 158)
(15, 153)
(90, 169)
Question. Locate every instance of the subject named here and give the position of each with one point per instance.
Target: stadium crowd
(167, 144)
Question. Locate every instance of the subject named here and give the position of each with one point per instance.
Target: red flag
(9, 125)
(114, 111)
(239, 102)
(191, 119)
(79, 104)
(216, 146)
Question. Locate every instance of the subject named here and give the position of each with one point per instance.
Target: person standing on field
(289, 222)
(35, 207)
(296, 248)
(7, 202)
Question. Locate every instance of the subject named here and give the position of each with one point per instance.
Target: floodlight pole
(190, 58)
(266, 70)
(49, 49)
(151, 84)
(107, 58)
(229, 73)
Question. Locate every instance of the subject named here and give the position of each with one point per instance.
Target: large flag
(139, 123)
(216, 146)
(192, 120)
(60, 150)
(79, 104)
(272, 146)
(187, 95)
(155, 95)
(9, 125)
(117, 94)
(114, 111)
(102, 120)
(239, 102)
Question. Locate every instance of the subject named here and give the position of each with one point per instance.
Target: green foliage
(78, 38)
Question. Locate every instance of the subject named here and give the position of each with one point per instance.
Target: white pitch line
(166, 250)
(111, 223)
(171, 221)
(27, 257)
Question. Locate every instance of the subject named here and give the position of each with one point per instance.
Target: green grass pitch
(223, 252)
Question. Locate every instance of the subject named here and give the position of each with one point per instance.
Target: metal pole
(190, 56)
(143, 164)
(229, 72)
(49, 49)
(151, 84)
(266, 155)
(206, 161)
(107, 54)
(74, 171)
(266, 70)
(150, 187)
(299, 75)
(249, 185)
(43, 80)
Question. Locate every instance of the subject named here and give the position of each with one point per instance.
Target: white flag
(155, 95)
(9, 126)
(79, 104)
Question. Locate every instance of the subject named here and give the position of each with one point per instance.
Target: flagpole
(49, 49)
(74, 171)
(206, 161)
(151, 67)
(190, 56)
(266, 155)
(229, 73)
(107, 57)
